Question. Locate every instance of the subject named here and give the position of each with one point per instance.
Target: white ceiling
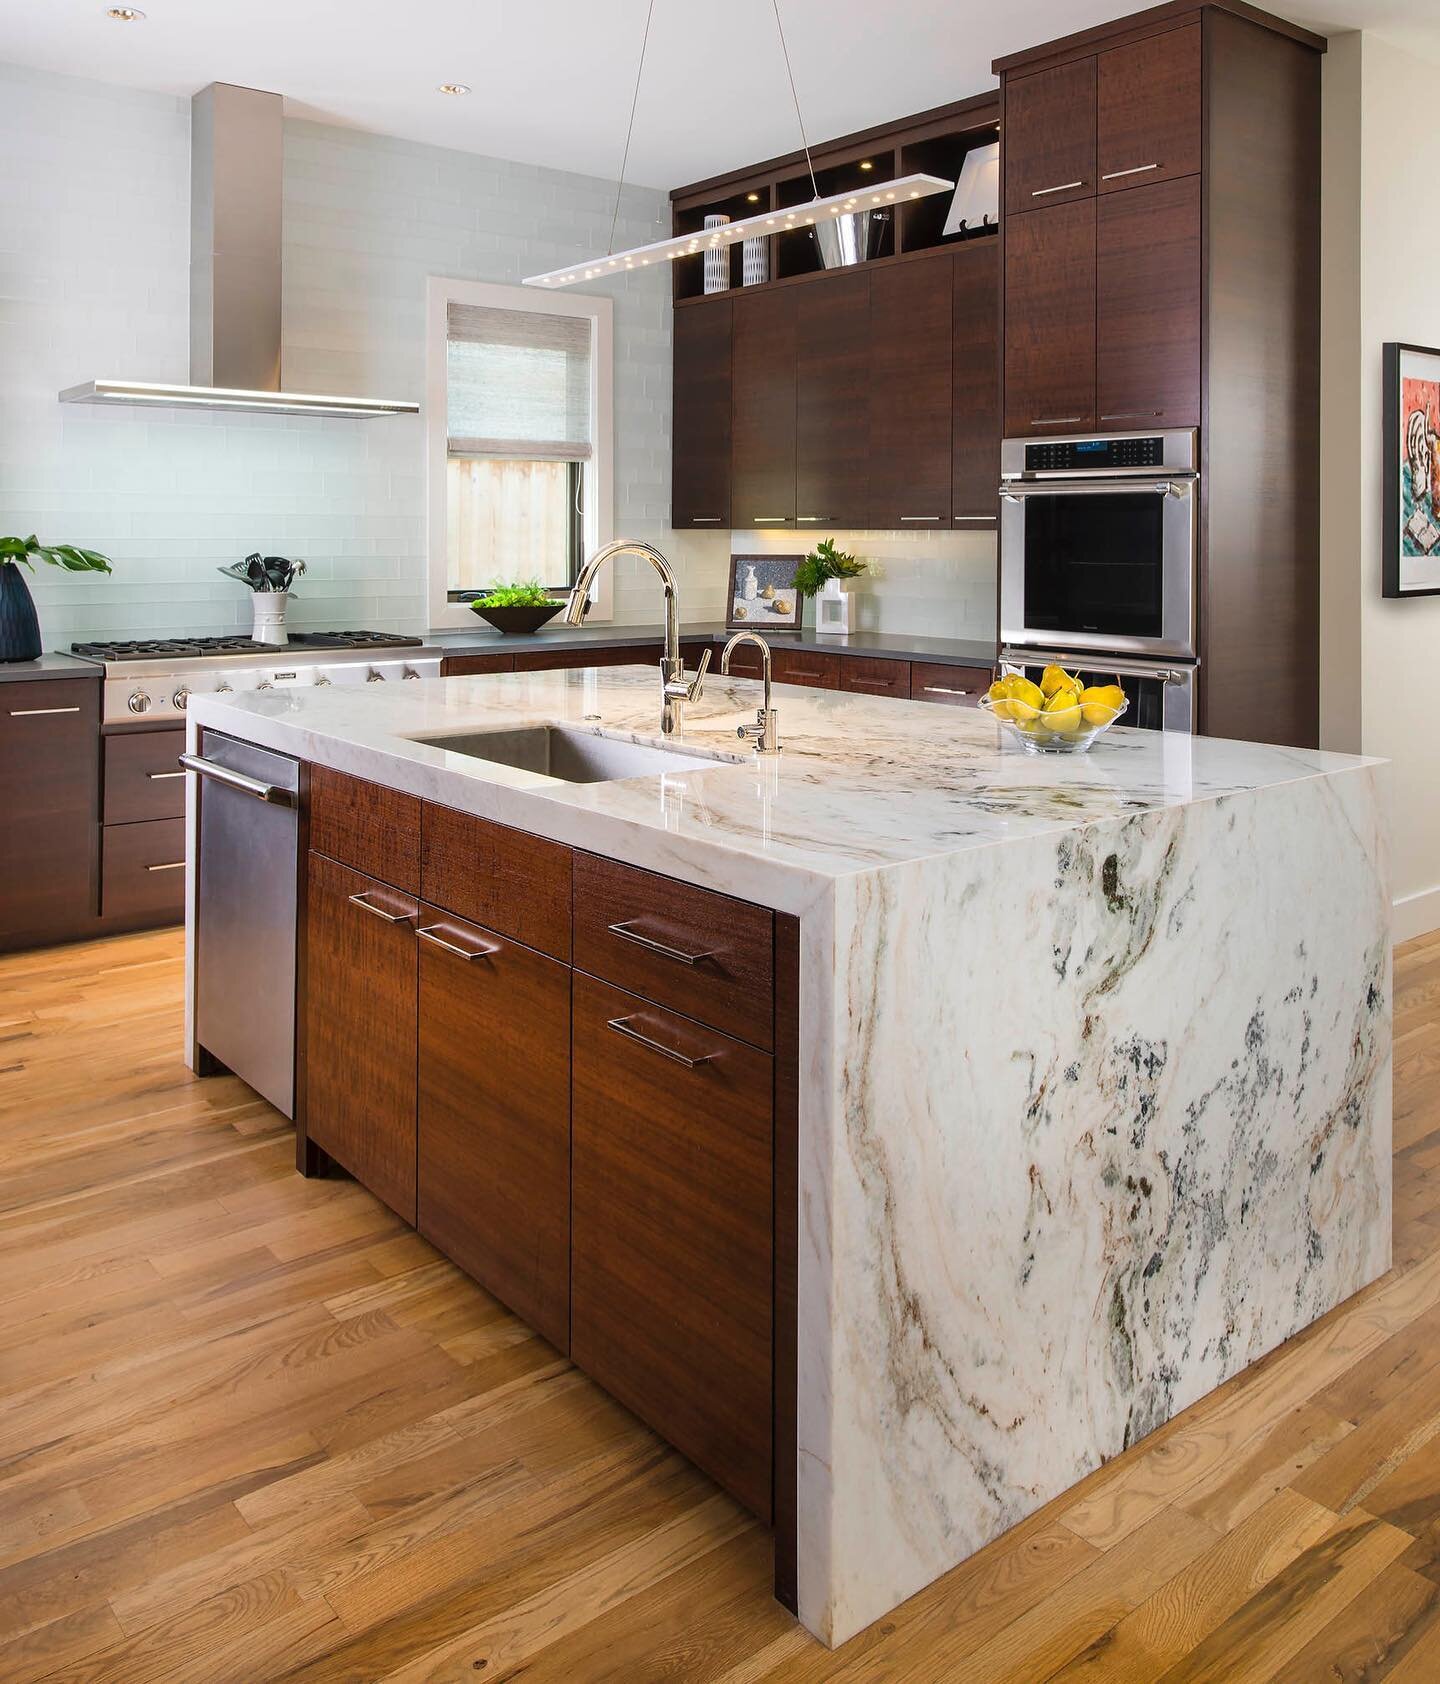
(552, 79)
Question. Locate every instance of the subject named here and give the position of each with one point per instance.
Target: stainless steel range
(151, 679)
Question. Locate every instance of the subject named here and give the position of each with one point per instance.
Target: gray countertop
(947, 650)
(48, 666)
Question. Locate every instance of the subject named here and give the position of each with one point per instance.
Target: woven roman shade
(518, 384)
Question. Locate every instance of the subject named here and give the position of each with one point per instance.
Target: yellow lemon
(1055, 679)
(1026, 699)
(1062, 711)
(1099, 703)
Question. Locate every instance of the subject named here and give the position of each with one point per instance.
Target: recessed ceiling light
(454, 88)
(865, 164)
(124, 14)
(752, 198)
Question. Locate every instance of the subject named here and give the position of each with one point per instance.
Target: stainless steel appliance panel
(1162, 694)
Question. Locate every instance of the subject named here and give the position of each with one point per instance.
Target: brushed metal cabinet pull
(705, 520)
(1056, 420)
(621, 1026)
(34, 713)
(170, 865)
(157, 777)
(767, 520)
(942, 690)
(468, 954)
(1138, 169)
(909, 518)
(367, 905)
(649, 943)
(1060, 187)
(977, 517)
(813, 518)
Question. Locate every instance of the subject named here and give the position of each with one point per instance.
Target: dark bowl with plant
(19, 625)
(517, 608)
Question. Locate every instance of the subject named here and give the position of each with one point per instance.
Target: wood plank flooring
(252, 1429)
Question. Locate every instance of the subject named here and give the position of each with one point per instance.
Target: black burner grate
(187, 648)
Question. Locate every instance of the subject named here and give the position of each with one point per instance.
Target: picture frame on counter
(762, 594)
(1411, 564)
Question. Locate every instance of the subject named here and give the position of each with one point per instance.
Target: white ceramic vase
(270, 617)
(832, 606)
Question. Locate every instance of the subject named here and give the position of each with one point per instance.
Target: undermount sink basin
(575, 757)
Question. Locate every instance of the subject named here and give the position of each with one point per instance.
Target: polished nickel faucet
(763, 732)
(675, 688)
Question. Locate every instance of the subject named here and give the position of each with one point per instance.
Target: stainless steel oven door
(1100, 563)
(1162, 695)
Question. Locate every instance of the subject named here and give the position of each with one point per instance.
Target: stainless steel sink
(575, 757)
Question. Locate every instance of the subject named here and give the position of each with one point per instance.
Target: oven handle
(1013, 493)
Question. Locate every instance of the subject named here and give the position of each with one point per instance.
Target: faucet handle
(697, 684)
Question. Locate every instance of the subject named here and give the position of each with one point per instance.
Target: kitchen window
(519, 440)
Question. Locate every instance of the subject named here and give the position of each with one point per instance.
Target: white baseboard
(1417, 914)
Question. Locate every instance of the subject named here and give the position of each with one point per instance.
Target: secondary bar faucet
(675, 688)
(763, 732)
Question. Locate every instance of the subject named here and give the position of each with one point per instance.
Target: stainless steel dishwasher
(246, 902)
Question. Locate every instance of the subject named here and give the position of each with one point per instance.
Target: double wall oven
(1099, 537)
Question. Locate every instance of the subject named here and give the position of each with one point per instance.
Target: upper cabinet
(910, 460)
(700, 483)
(975, 386)
(833, 419)
(762, 464)
(1050, 137)
(1148, 110)
(1050, 320)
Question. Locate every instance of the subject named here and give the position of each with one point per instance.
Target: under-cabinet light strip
(880, 195)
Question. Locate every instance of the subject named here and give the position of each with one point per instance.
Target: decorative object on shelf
(765, 222)
(1412, 470)
(1059, 715)
(269, 579)
(19, 624)
(762, 593)
(849, 237)
(755, 262)
(828, 574)
(717, 258)
(523, 607)
(976, 205)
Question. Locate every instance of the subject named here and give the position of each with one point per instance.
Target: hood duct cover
(236, 193)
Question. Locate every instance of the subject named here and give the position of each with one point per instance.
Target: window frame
(441, 291)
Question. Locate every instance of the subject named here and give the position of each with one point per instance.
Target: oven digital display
(1120, 454)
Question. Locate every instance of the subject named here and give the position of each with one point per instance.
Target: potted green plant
(522, 607)
(826, 574)
(19, 626)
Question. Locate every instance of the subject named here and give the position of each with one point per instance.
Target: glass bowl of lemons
(1059, 715)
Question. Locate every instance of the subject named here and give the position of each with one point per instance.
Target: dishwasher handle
(271, 793)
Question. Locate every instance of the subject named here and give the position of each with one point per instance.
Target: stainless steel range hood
(236, 188)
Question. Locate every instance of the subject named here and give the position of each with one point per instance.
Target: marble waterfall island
(1094, 1099)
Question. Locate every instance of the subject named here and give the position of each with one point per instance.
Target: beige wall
(1381, 282)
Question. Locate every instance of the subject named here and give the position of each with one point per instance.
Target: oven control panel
(1057, 456)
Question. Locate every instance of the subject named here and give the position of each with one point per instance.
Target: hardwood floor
(252, 1428)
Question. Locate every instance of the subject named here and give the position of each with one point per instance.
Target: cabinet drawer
(462, 666)
(960, 687)
(366, 826)
(808, 667)
(700, 953)
(869, 676)
(142, 870)
(142, 779)
(511, 882)
(599, 655)
(672, 1230)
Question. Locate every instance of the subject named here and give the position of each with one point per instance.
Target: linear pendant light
(767, 222)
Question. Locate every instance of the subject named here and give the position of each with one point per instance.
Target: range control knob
(409, 672)
(223, 685)
(320, 678)
(181, 696)
(373, 677)
(264, 684)
(139, 702)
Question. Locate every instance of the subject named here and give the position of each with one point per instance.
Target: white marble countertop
(862, 783)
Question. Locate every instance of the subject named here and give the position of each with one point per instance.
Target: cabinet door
(1049, 136)
(910, 461)
(49, 829)
(700, 463)
(672, 1225)
(360, 1018)
(1148, 122)
(494, 1118)
(975, 385)
(1050, 320)
(832, 402)
(762, 479)
(1148, 307)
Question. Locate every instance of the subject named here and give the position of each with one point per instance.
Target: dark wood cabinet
(466, 666)
(833, 403)
(950, 686)
(505, 879)
(1049, 129)
(975, 385)
(1148, 307)
(815, 669)
(873, 675)
(374, 829)
(700, 477)
(50, 773)
(142, 872)
(360, 1028)
(1050, 320)
(672, 1230)
(911, 468)
(494, 1115)
(762, 465)
(1148, 118)
(143, 777)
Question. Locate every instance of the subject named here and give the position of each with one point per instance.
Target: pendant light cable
(625, 156)
(800, 121)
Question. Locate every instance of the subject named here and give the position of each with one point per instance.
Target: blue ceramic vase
(19, 625)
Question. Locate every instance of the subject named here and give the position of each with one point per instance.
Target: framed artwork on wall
(762, 593)
(1412, 470)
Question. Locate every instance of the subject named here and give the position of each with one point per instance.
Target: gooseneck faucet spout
(675, 688)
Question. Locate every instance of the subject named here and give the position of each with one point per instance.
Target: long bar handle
(428, 934)
(169, 865)
(621, 1026)
(942, 690)
(1181, 487)
(271, 793)
(157, 777)
(650, 944)
(365, 904)
(1137, 169)
(34, 713)
(906, 520)
(1060, 187)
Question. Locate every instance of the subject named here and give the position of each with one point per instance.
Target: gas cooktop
(188, 648)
